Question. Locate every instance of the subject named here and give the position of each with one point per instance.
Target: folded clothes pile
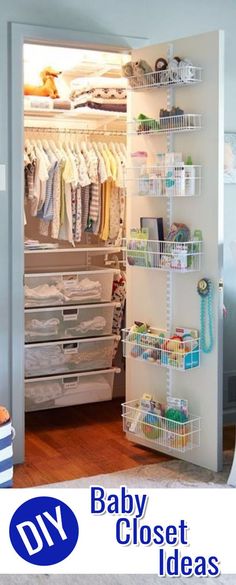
(94, 325)
(53, 359)
(63, 292)
(42, 328)
(103, 93)
(82, 290)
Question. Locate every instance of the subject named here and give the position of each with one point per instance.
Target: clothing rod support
(75, 131)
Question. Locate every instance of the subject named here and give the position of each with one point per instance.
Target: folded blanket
(85, 98)
(85, 84)
(111, 107)
(60, 104)
(103, 92)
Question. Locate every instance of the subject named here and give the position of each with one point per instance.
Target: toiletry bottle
(179, 178)
(189, 177)
(193, 260)
(169, 173)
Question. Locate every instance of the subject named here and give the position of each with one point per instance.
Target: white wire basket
(166, 124)
(186, 75)
(160, 431)
(163, 255)
(165, 181)
(160, 350)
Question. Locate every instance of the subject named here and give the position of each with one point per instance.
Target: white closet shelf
(164, 255)
(158, 349)
(90, 249)
(165, 181)
(181, 76)
(165, 124)
(160, 431)
(73, 113)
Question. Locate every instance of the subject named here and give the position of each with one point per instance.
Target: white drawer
(44, 359)
(58, 391)
(67, 323)
(89, 285)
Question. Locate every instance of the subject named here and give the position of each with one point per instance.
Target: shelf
(165, 181)
(182, 76)
(160, 431)
(164, 255)
(166, 125)
(160, 350)
(89, 249)
(73, 113)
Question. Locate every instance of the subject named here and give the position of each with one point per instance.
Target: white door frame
(20, 34)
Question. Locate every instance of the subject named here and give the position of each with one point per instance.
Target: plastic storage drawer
(55, 392)
(71, 322)
(43, 359)
(88, 285)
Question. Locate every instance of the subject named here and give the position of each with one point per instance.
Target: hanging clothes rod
(75, 131)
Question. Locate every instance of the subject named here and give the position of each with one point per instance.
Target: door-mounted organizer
(152, 181)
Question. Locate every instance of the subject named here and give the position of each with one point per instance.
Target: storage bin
(58, 391)
(7, 434)
(88, 285)
(159, 431)
(43, 359)
(73, 322)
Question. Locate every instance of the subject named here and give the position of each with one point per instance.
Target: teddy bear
(4, 415)
(135, 71)
(48, 87)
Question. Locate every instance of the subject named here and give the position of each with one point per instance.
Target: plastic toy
(151, 426)
(4, 415)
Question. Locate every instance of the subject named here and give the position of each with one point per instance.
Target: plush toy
(48, 87)
(135, 71)
(4, 415)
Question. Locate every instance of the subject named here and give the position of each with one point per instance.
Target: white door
(166, 299)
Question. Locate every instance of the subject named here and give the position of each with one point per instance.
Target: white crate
(159, 431)
(43, 359)
(160, 350)
(67, 323)
(88, 285)
(164, 255)
(58, 391)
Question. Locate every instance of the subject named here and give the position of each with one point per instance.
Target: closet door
(169, 299)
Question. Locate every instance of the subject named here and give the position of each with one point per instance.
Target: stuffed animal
(4, 415)
(135, 71)
(48, 87)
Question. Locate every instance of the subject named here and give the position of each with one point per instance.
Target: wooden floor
(69, 443)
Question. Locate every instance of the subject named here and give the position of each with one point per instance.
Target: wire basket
(186, 75)
(161, 350)
(166, 124)
(164, 255)
(165, 181)
(160, 431)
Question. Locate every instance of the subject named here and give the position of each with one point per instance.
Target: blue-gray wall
(159, 21)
